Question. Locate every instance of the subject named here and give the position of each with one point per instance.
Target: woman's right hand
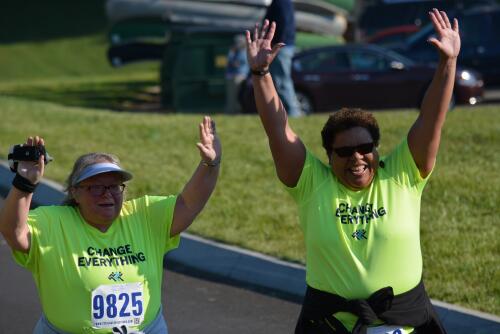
(260, 54)
(30, 170)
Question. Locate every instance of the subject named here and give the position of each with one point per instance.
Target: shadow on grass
(119, 96)
(34, 20)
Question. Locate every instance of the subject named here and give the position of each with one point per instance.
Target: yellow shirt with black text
(358, 242)
(90, 281)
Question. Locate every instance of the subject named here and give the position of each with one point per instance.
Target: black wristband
(23, 184)
(214, 163)
(260, 73)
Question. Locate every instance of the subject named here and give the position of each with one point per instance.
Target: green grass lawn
(460, 217)
(56, 82)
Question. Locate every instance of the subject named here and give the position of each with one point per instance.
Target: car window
(376, 17)
(422, 35)
(368, 61)
(476, 28)
(334, 62)
(323, 61)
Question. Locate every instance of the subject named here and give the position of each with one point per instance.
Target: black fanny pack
(412, 308)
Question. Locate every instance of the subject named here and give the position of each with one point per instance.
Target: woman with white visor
(97, 260)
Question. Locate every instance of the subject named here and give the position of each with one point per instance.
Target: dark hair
(345, 119)
(80, 164)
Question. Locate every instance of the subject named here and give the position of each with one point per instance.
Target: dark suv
(480, 50)
(386, 15)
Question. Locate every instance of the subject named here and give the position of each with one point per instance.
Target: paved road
(191, 305)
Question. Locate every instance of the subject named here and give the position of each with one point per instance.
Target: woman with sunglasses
(360, 214)
(97, 260)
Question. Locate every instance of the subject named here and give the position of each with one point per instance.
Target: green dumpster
(192, 71)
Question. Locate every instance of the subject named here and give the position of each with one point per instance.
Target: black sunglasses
(347, 151)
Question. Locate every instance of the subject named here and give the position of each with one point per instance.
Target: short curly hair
(347, 118)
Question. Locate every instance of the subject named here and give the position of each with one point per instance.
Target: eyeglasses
(347, 151)
(100, 189)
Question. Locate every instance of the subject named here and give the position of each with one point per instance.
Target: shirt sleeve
(401, 166)
(313, 174)
(160, 213)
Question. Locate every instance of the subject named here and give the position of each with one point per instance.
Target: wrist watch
(260, 73)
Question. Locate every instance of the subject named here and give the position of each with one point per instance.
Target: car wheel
(305, 103)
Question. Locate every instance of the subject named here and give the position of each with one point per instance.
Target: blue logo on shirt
(115, 276)
(359, 234)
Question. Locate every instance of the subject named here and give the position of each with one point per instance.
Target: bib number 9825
(119, 304)
(124, 301)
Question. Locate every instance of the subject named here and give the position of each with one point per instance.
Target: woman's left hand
(448, 38)
(209, 145)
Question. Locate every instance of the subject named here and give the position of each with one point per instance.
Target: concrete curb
(233, 265)
(47, 193)
(236, 266)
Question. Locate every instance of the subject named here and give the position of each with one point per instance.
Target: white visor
(104, 167)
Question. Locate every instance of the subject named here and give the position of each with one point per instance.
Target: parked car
(365, 76)
(392, 36)
(385, 14)
(480, 49)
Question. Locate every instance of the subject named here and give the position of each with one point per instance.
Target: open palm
(260, 54)
(209, 145)
(448, 37)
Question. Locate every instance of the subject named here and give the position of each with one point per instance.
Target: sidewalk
(232, 265)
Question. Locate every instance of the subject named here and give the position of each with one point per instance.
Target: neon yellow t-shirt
(89, 281)
(360, 241)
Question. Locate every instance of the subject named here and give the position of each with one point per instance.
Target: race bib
(117, 304)
(386, 330)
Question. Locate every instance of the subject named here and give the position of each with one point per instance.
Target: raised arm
(14, 214)
(286, 147)
(197, 191)
(425, 134)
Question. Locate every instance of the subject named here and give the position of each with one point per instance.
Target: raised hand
(32, 171)
(260, 54)
(448, 38)
(209, 145)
